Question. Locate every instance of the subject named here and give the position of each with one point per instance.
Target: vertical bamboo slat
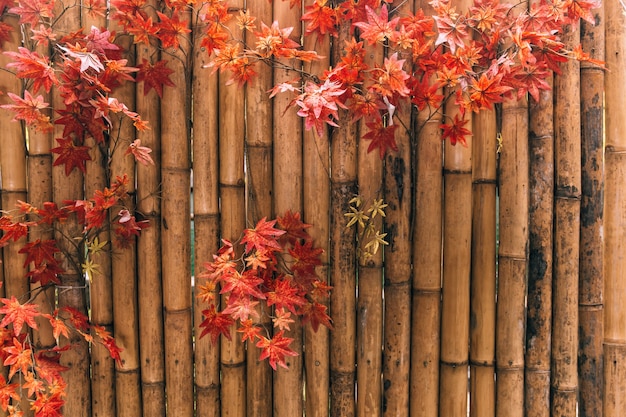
(72, 291)
(13, 169)
(483, 281)
(427, 253)
(343, 258)
(567, 188)
(206, 221)
(288, 399)
(175, 232)
(455, 306)
(591, 280)
(149, 284)
(259, 194)
(615, 212)
(233, 221)
(369, 312)
(397, 187)
(124, 264)
(316, 211)
(541, 206)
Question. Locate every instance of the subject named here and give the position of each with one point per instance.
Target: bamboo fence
(500, 292)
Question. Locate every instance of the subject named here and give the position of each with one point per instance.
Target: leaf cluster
(270, 272)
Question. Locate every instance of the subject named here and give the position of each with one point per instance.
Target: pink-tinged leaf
(141, 153)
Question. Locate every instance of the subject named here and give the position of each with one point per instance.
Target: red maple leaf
(391, 78)
(5, 32)
(29, 109)
(109, 343)
(249, 330)
(382, 137)
(293, 226)
(486, 91)
(240, 307)
(275, 349)
(378, 26)
(31, 11)
(216, 323)
(18, 356)
(321, 18)
(33, 66)
(263, 237)
(48, 365)
(170, 28)
(18, 314)
(315, 313)
(7, 393)
(246, 283)
(456, 131)
(154, 76)
(48, 405)
(79, 320)
(45, 274)
(452, 28)
(70, 155)
(40, 251)
(285, 295)
(305, 258)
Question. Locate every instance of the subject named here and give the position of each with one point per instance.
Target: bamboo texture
(149, 252)
(483, 279)
(175, 242)
(259, 193)
(232, 223)
(206, 220)
(72, 292)
(541, 224)
(567, 188)
(343, 188)
(316, 211)
(614, 399)
(427, 256)
(591, 278)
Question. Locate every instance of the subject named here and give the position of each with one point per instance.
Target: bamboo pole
(206, 219)
(149, 272)
(124, 263)
(427, 253)
(483, 280)
(72, 290)
(591, 281)
(175, 232)
(343, 172)
(614, 400)
(455, 306)
(233, 221)
(259, 194)
(12, 168)
(541, 221)
(397, 188)
(316, 211)
(369, 313)
(567, 231)
(100, 288)
(288, 383)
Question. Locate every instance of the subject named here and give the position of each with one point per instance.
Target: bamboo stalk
(316, 211)
(427, 247)
(483, 280)
(343, 257)
(100, 288)
(175, 232)
(591, 281)
(124, 263)
(455, 307)
(149, 253)
(288, 383)
(614, 401)
(567, 231)
(233, 221)
(512, 263)
(72, 290)
(541, 221)
(397, 274)
(13, 168)
(206, 219)
(259, 193)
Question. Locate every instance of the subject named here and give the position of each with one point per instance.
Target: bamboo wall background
(418, 330)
